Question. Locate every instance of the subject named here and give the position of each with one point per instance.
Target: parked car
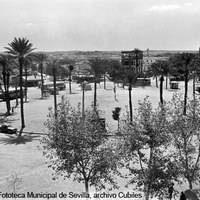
(8, 129)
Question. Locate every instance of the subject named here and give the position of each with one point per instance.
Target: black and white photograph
(100, 99)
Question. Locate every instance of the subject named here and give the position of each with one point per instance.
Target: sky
(88, 25)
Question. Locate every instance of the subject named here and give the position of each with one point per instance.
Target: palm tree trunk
(104, 81)
(16, 96)
(95, 93)
(7, 94)
(130, 104)
(54, 87)
(161, 89)
(166, 82)
(194, 97)
(83, 98)
(26, 85)
(6, 91)
(186, 91)
(21, 95)
(42, 81)
(70, 82)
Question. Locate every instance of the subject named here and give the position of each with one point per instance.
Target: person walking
(171, 190)
(182, 196)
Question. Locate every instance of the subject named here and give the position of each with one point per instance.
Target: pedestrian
(171, 190)
(182, 196)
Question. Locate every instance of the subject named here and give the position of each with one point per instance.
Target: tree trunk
(194, 87)
(186, 91)
(161, 89)
(166, 82)
(8, 94)
(149, 185)
(6, 90)
(130, 104)
(118, 124)
(42, 81)
(16, 96)
(4, 80)
(26, 85)
(190, 184)
(95, 93)
(156, 81)
(21, 95)
(83, 98)
(70, 83)
(54, 92)
(86, 188)
(115, 92)
(104, 81)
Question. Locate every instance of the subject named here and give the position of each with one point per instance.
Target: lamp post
(83, 96)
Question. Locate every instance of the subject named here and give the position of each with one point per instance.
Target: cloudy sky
(53, 25)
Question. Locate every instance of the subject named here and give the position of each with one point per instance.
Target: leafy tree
(76, 146)
(6, 61)
(143, 150)
(41, 58)
(180, 64)
(160, 68)
(97, 65)
(185, 130)
(20, 48)
(116, 114)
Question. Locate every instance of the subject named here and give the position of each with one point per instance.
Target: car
(8, 129)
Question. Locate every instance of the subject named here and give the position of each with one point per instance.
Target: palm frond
(20, 47)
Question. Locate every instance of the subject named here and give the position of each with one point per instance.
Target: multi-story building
(133, 59)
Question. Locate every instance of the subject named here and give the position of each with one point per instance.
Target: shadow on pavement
(4, 118)
(15, 139)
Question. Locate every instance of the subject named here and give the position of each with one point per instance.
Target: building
(32, 81)
(133, 59)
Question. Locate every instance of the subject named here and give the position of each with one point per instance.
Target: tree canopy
(76, 146)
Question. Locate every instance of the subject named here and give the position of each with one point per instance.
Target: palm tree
(20, 48)
(115, 72)
(6, 61)
(27, 61)
(41, 58)
(160, 68)
(70, 65)
(181, 65)
(132, 75)
(53, 69)
(195, 69)
(97, 65)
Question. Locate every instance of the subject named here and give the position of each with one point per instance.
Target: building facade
(133, 59)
